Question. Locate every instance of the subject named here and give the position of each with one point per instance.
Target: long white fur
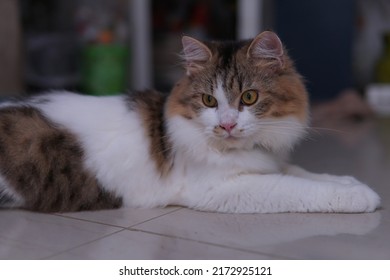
(239, 179)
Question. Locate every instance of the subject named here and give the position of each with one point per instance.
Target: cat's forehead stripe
(220, 94)
(228, 69)
(226, 53)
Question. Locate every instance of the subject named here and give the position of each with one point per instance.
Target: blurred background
(109, 46)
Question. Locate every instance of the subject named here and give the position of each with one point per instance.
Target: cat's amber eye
(209, 100)
(249, 97)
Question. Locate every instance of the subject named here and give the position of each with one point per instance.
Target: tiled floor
(362, 150)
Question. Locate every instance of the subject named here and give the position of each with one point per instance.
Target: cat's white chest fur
(193, 147)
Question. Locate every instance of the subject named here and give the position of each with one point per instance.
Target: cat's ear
(266, 45)
(195, 53)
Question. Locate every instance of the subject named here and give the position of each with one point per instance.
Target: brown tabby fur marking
(150, 105)
(44, 164)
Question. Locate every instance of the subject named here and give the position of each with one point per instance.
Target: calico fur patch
(43, 164)
(150, 105)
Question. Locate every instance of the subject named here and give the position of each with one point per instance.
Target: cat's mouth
(228, 136)
(231, 138)
(229, 141)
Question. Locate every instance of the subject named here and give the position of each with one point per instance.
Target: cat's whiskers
(306, 127)
(278, 126)
(284, 133)
(325, 129)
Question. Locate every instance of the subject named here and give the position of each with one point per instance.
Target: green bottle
(104, 69)
(382, 73)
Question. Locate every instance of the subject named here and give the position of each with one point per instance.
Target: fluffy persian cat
(218, 142)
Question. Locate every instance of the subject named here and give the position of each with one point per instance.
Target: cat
(218, 142)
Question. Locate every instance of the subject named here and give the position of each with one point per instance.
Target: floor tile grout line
(83, 244)
(131, 228)
(151, 219)
(277, 257)
(89, 221)
(112, 225)
(122, 229)
(213, 244)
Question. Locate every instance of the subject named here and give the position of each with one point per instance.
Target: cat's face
(241, 94)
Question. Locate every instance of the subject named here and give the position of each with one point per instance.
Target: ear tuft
(195, 53)
(266, 45)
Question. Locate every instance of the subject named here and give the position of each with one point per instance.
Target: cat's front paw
(356, 198)
(343, 180)
(348, 180)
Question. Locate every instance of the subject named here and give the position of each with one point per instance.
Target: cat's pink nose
(228, 126)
